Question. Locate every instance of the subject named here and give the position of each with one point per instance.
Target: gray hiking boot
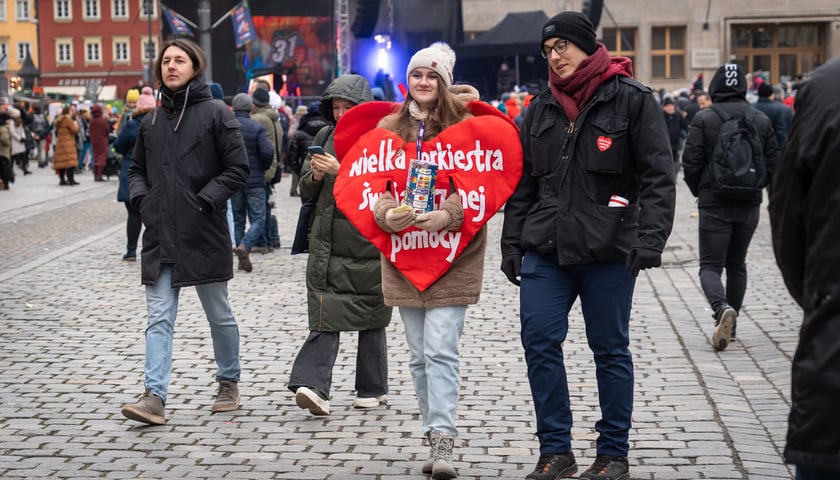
(227, 398)
(443, 469)
(429, 464)
(149, 409)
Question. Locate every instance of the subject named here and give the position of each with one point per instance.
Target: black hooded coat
(728, 90)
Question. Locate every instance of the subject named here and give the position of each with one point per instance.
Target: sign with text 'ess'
(479, 159)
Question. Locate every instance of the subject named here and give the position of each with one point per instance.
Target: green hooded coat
(343, 273)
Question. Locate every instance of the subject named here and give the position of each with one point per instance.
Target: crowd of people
(594, 207)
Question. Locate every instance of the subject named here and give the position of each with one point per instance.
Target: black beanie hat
(765, 89)
(574, 27)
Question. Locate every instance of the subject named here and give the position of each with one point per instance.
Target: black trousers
(725, 234)
(314, 363)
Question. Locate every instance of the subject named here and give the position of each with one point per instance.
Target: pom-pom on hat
(438, 57)
(146, 99)
(574, 27)
(132, 95)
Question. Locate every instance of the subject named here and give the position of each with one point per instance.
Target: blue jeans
(724, 238)
(162, 305)
(432, 335)
(250, 201)
(83, 153)
(547, 294)
(230, 222)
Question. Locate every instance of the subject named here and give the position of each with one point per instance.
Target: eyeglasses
(559, 48)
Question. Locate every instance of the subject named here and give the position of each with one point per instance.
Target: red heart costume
(479, 158)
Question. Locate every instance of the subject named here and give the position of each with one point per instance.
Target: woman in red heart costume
(342, 276)
(434, 317)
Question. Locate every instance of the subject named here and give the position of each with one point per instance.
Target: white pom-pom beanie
(439, 57)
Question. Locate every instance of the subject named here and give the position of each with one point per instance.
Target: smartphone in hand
(315, 150)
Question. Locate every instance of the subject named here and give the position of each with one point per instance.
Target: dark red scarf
(575, 90)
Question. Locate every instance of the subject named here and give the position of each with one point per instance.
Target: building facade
(18, 37)
(671, 42)
(97, 48)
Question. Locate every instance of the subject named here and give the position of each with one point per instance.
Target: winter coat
(676, 125)
(461, 284)
(267, 117)
(189, 159)
(65, 146)
(99, 140)
(343, 279)
(803, 215)
(124, 145)
(780, 116)
(703, 134)
(18, 137)
(257, 145)
(618, 145)
(5, 142)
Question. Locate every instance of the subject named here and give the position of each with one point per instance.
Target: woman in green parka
(343, 278)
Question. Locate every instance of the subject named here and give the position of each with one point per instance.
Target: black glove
(641, 258)
(511, 265)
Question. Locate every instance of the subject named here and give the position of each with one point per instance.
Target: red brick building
(96, 45)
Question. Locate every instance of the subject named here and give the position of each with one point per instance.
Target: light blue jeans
(432, 335)
(162, 305)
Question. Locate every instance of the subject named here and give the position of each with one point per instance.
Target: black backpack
(738, 167)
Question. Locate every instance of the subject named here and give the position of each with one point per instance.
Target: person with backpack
(728, 159)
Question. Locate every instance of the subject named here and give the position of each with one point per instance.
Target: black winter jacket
(780, 116)
(188, 160)
(310, 125)
(727, 90)
(258, 146)
(618, 145)
(803, 208)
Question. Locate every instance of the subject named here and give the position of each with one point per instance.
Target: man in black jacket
(803, 216)
(780, 115)
(188, 160)
(595, 206)
(726, 225)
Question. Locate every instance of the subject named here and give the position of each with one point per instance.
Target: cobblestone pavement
(71, 352)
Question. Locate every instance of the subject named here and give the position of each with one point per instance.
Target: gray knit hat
(241, 102)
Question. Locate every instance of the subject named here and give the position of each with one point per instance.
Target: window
(64, 51)
(90, 9)
(93, 51)
(119, 9)
(149, 49)
(668, 52)
(62, 10)
(783, 50)
(621, 42)
(147, 7)
(2, 10)
(121, 51)
(23, 48)
(22, 10)
(4, 59)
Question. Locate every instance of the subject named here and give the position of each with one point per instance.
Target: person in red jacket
(99, 143)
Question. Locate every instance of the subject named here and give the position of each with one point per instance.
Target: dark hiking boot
(606, 467)
(552, 466)
(244, 259)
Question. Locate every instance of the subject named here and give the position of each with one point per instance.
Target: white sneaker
(308, 399)
(370, 402)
